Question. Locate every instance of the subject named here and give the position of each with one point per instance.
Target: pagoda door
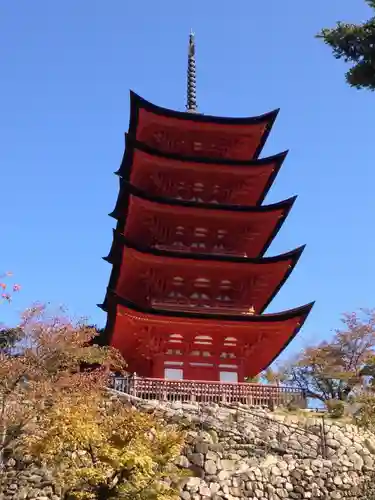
(173, 374)
(228, 376)
(198, 371)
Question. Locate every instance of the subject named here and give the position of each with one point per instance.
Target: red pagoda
(189, 282)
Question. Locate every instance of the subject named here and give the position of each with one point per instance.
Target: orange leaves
(7, 291)
(333, 369)
(43, 369)
(55, 411)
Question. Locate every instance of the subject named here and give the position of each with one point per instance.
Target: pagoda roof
(146, 168)
(195, 134)
(261, 223)
(260, 338)
(143, 272)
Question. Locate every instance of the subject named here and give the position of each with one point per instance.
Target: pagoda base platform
(263, 395)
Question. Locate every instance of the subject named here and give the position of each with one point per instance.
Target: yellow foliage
(54, 411)
(107, 450)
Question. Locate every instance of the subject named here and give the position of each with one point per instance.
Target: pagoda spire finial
(191, 102)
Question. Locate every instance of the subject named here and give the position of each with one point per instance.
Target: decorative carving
(197, 142)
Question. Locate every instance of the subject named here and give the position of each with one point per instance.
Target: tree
(108, 451)
(9, 338)
(53, 409)
(333, 370)
(355, 43)
(274, 376)
(47, 366)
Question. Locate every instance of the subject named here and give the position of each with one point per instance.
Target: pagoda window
(228, 355)
(178, 244)
(196, 245)
(223, 299)
(176, 338)
(201, 232)
(203, 340)
(225, 285)
(219, 248)
(174, 352)
(202, 283)
(199, 299)
(231, 355)
(228, 366)
(230, 341)
(195, 353)
(176, 363)
(178, 281)
(221, 233)
(198, 187)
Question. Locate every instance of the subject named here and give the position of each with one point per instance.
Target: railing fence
(208, 392)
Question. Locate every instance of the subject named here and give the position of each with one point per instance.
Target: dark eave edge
(245, 318)
(127, 188)
(112, 299)
(120, 241)
(131, 145)
(139, 102)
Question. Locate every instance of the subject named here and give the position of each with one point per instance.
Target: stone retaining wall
(239, 452)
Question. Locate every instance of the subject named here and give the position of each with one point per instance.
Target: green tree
(355, 43)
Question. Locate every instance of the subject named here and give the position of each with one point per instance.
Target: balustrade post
(133, 385)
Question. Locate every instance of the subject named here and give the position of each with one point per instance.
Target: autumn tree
(333, 370)
(355, 43)
(274, 376)
(55, 411)
(368, 371)
(107, 451)
(8, 336)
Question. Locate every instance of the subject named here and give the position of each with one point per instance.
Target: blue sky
(67, 68)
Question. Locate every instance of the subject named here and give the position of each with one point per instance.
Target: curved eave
(120, 211)
(131, 145)
(138, 102)
(120, 241)
(126, 188)
(115, 258)
(302, 312)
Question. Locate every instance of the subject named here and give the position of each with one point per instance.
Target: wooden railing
(207, 392)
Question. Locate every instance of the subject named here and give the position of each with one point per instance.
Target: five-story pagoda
(189, 282)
